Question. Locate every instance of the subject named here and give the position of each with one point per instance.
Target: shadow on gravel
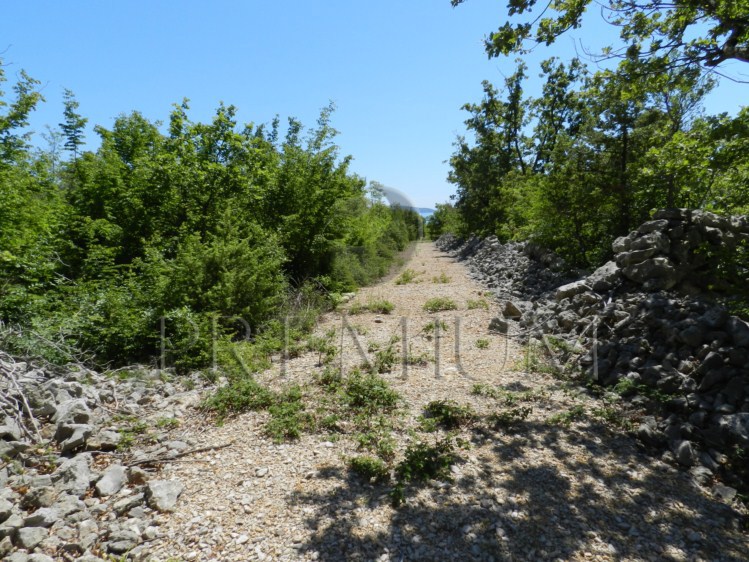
(540, 493)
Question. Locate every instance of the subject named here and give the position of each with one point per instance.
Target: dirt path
(542, 490)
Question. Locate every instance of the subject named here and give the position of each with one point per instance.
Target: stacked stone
(646, 324)
(66, 490)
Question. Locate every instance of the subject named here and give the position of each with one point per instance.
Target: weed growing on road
(370, 468)
(566, 418)
(439, 304)
(482, 343)
(423, 462)
(508, 418)
(377, 306)
(442, 278)
(408, 276)
(474, 304)
(446, 414)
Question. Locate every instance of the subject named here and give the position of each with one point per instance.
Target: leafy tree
(73, 125)
(707, 32)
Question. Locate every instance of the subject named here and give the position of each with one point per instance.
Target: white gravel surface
(541, 492)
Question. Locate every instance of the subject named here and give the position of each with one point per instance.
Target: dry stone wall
(644, 325)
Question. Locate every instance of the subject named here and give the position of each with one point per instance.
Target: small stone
(261, 472)
(42, 517)
(136, 476)
(30, 537)
(511, 310)
(126, 504)
(72, 411)
(499, 325)
(74, 475)
(163, 494)
(111, 481)
(725, 493)
(6, 546)
(6, 508)
(242, 539)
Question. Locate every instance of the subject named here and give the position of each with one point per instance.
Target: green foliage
(506, 419)
(593, 156)
(369, 392)
(432, 325)
(693, 31)
(212, 231)
(482, 343)
(473, 304)
(423, 462)
(438, 304)
(441, 278)
(448, 414)
(566, 418)
(445, 220)
(244, 394)
(370, 468)
(376, 306)
(408, 276)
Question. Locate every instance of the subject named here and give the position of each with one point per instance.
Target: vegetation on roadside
(181, 236)
(439, 304)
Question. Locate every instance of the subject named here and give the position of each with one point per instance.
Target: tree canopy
(706, 32)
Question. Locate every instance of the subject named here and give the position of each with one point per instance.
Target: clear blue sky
(397, 70)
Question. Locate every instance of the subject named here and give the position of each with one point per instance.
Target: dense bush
(188, 231)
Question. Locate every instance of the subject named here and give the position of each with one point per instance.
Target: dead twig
(163, 459)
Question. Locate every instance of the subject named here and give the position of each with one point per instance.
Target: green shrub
(369, 468)
(377, 306)
(448, 414)
(509, 418)
(423, 462)
(430, 326)
(482, 343)
(472, 304)
(408, 276)
(441, 278)
(240, 395)
(439, 304)
(369, 392)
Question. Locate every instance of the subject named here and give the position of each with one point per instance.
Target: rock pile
(71, 450)
(645, 325)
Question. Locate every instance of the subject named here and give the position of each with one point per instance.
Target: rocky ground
(544, 470)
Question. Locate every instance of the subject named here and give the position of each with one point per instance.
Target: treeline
(592, 156)
(194, 227)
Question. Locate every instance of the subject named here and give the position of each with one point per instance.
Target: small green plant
(448, 414)
(288, 418)
(239, 395)
(481, 389)
(566, 418)
(508, 418)
(370, 468)
(378, 440)
(384, 359)
(423, 462)
(377, 306)
(418, 359)
(613, 416)
(330, 379)
(438, 304)
(482, 343)
(408, 276)
(474, 304)
(167, 423)
(432, 325)
(441, 278)
(369, 392)
(324, 346)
